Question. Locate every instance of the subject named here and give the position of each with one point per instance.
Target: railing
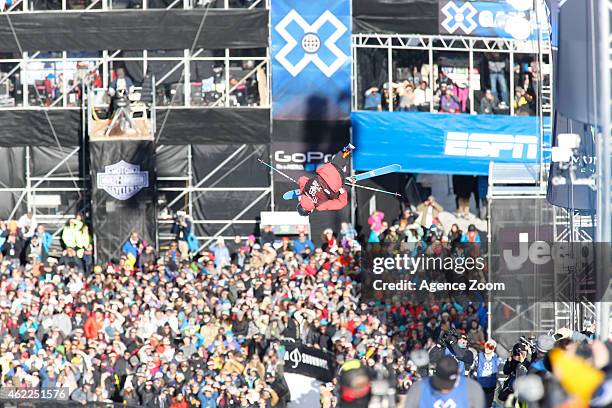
(200, 79)
(397, 54)
(34, 6)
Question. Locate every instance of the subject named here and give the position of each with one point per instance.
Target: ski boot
(346, 150)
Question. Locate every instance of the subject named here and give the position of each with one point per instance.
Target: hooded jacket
(327, 178)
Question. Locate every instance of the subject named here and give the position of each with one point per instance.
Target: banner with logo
(535, 267)
(311, 59)
(568, 182)
(443, 143)
(123, 194)
(501, 19)
(309, 361)
(301, 158)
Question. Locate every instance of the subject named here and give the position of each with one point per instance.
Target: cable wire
(191, 50)
(45, 112)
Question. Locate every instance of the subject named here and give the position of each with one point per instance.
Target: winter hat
(545, 343)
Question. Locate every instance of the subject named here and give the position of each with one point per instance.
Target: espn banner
(441, 143)
(309, 361)
(123, 194)
(311, 59)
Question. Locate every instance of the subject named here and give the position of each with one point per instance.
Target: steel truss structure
(21, 73)
(32, 68)
(32, 6)
(181, 193)
(604, 159)
(470, 45)
(55, 196)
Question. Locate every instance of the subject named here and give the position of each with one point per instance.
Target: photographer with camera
(453, 344)
(119, 112)
(516, 366)
(181, 230)
(120, 88)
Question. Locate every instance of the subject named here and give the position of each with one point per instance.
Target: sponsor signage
(502, 19)
(309, 361)
(311, 59)
(439, 143)
(122, 180)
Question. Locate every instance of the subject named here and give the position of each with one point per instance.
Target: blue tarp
(443, 143)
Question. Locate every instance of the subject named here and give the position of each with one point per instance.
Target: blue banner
(444, 143)
(501, 19)
(311, 59)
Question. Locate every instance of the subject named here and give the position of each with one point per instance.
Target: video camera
(524, 344)
(449, 338)
(121, 100)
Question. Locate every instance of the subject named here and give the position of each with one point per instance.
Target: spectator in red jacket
(93, 325)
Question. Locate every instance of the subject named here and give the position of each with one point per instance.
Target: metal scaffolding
(45, 81)
(446, 43)
(33, 6)
(603, 226)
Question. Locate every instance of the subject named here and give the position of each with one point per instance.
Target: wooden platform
(142, 131)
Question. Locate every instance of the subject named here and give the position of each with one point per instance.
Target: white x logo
(311, 43)
(459, 17)
(445, 404)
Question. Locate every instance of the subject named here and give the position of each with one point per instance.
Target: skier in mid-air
(325, 191)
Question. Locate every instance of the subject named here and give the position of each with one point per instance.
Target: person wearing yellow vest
(71, 232)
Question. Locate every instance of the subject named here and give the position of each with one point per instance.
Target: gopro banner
(444, 143)
(301, 158)
(123, 196)
(309, 361)
(311, 59)
(502, 19)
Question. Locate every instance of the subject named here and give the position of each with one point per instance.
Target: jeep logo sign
(540, 253)
(122, 180)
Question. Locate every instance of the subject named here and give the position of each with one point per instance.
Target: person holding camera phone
(453, 344)
(515, 367)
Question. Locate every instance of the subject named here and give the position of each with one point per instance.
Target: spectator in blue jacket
(45, 238)
(222, 255)
(132, 248)
(301, 244)
(471, 236)
(208, 398)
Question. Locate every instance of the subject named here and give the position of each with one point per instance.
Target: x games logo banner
(311, 43)
(502, 19)
(311, 59)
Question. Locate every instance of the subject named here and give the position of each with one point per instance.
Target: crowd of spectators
(165, 330)
(410, 90)
(161, 329)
